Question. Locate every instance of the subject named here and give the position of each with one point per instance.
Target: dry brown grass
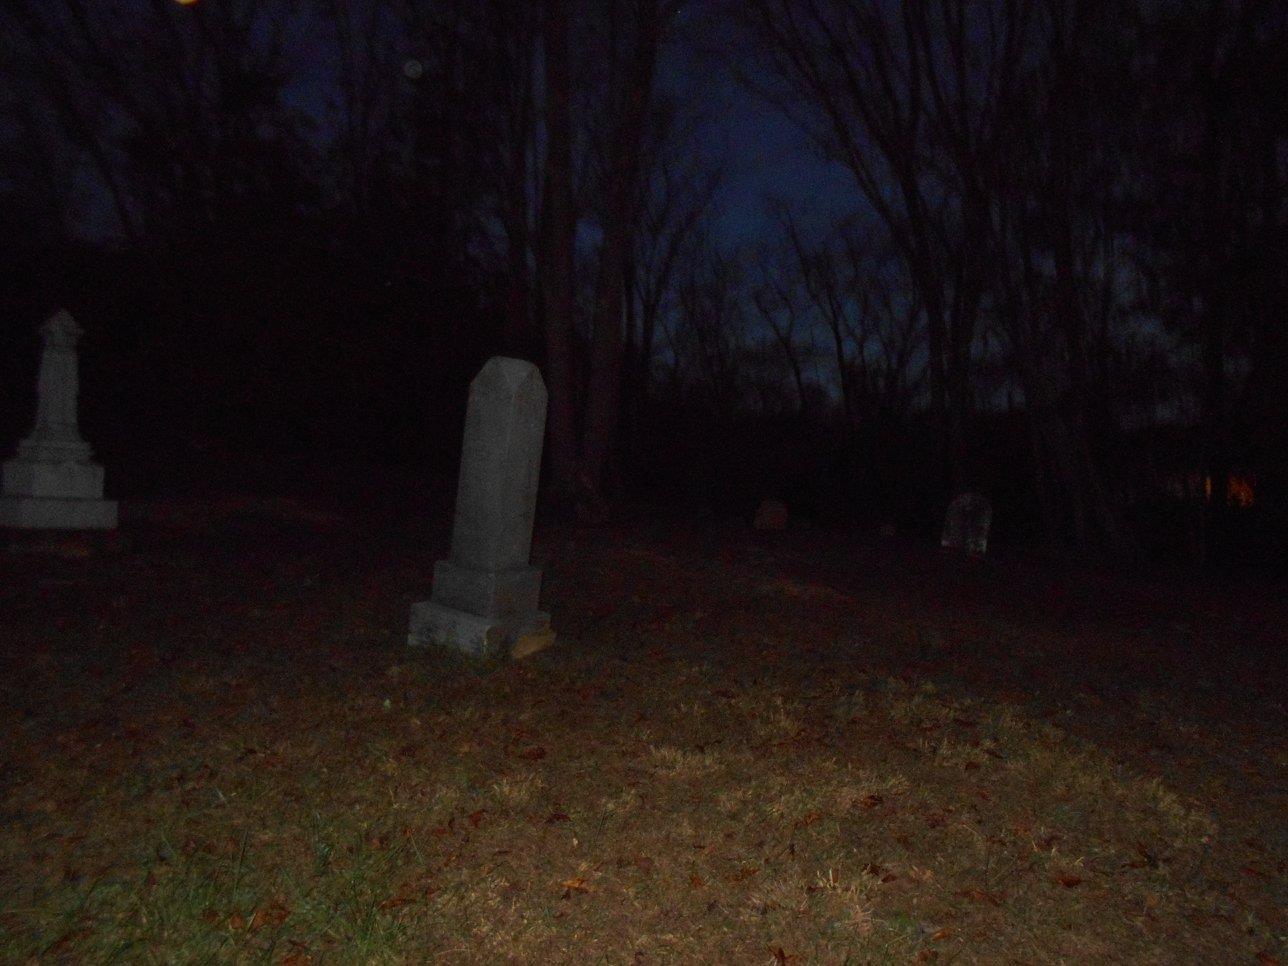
(225, 757)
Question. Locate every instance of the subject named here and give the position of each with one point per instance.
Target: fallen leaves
(722, 840)
(575, 885)
(980, 895)
(273, 914)
(879, 872)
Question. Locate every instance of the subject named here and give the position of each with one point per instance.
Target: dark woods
(1057, 277)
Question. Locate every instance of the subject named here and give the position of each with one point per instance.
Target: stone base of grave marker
(46, 495)
(44, 513)
(486, 614)
(485, 638)
(491, 593)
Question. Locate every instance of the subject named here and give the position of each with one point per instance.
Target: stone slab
(43, 513)
(493, 594)
(496, 494)
(75, 481)
(485, 638)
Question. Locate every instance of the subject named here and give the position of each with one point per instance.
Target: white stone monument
(484, 600)
(52, 483)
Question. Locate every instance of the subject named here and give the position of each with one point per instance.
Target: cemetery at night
(643, 481)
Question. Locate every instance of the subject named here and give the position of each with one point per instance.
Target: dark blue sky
(761, 152)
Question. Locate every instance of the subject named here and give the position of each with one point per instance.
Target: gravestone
(484, 598)
(52, 483)
(966, 524)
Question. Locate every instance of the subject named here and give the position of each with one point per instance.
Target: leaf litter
(731, 756)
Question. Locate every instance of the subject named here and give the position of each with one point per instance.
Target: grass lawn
(744, 748)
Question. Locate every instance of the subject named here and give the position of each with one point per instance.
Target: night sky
(764, 156)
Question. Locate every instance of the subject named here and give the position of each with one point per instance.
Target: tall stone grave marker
(484, 600)
(53, 483)
(966, 524)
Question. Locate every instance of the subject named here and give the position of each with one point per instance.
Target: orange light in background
(1239, 491)
(186, 3)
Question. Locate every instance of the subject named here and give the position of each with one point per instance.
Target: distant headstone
(52, 483)
(484, 600)
(966, 524)
(770, 515)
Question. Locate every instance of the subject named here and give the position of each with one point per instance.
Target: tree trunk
(604, 391)
(518, 334)
(557, 260)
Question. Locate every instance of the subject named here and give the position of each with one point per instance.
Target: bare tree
(676, 197)
(179, 112)
(777, 300)
(649, 20)
(903, 97)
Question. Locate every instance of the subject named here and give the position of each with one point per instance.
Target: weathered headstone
(966, 524)
(53, 483)
(484, 600)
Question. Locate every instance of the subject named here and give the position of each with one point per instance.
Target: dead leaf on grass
(979, 895)
(1069, 881)
(476, 817)
(879, 872)
(808, 819)
(641, 862)
(576, 884)
(535, 753)
(557, 817)
(396, 901)
(273, 914)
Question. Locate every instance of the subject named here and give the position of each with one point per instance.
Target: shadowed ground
(802, 747)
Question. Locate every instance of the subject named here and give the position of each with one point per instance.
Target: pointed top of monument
(61, 329)
(513, 374)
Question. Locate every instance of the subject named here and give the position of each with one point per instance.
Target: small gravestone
(770, 515)
(966, 524)
(52, 484)
(484, 599)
